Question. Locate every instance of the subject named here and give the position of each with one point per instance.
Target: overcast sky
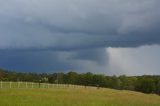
(100, 36)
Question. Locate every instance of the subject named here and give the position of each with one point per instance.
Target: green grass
(60, 96)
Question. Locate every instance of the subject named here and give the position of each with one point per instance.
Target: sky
(111, 37)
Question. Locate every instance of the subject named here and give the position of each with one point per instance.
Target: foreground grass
(75, 97)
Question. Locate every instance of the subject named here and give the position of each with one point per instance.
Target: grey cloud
(53, 61)
(74, 24)
(54, 35)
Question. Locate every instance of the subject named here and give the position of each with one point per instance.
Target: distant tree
(99, 80)
(157, 80)
(72, 77)
(2, 74)
(52, 78)
(12, 76)
(44, 80)
(115, 82)
(88, 79)
(145, 84)
(127, 83)
(60, 78)
(124, 82)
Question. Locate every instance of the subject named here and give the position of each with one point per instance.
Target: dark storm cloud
(70, 24)
(49, 61)
(50, 35)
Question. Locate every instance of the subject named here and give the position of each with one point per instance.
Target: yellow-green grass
(60, 96)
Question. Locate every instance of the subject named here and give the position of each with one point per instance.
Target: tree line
(145, 83)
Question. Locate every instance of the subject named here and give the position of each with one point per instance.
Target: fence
(9, 85)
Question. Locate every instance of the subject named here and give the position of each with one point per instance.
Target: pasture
(54, 95)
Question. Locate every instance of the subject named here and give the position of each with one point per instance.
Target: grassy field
(59, 96)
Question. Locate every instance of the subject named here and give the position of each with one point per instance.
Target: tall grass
(67, 96)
